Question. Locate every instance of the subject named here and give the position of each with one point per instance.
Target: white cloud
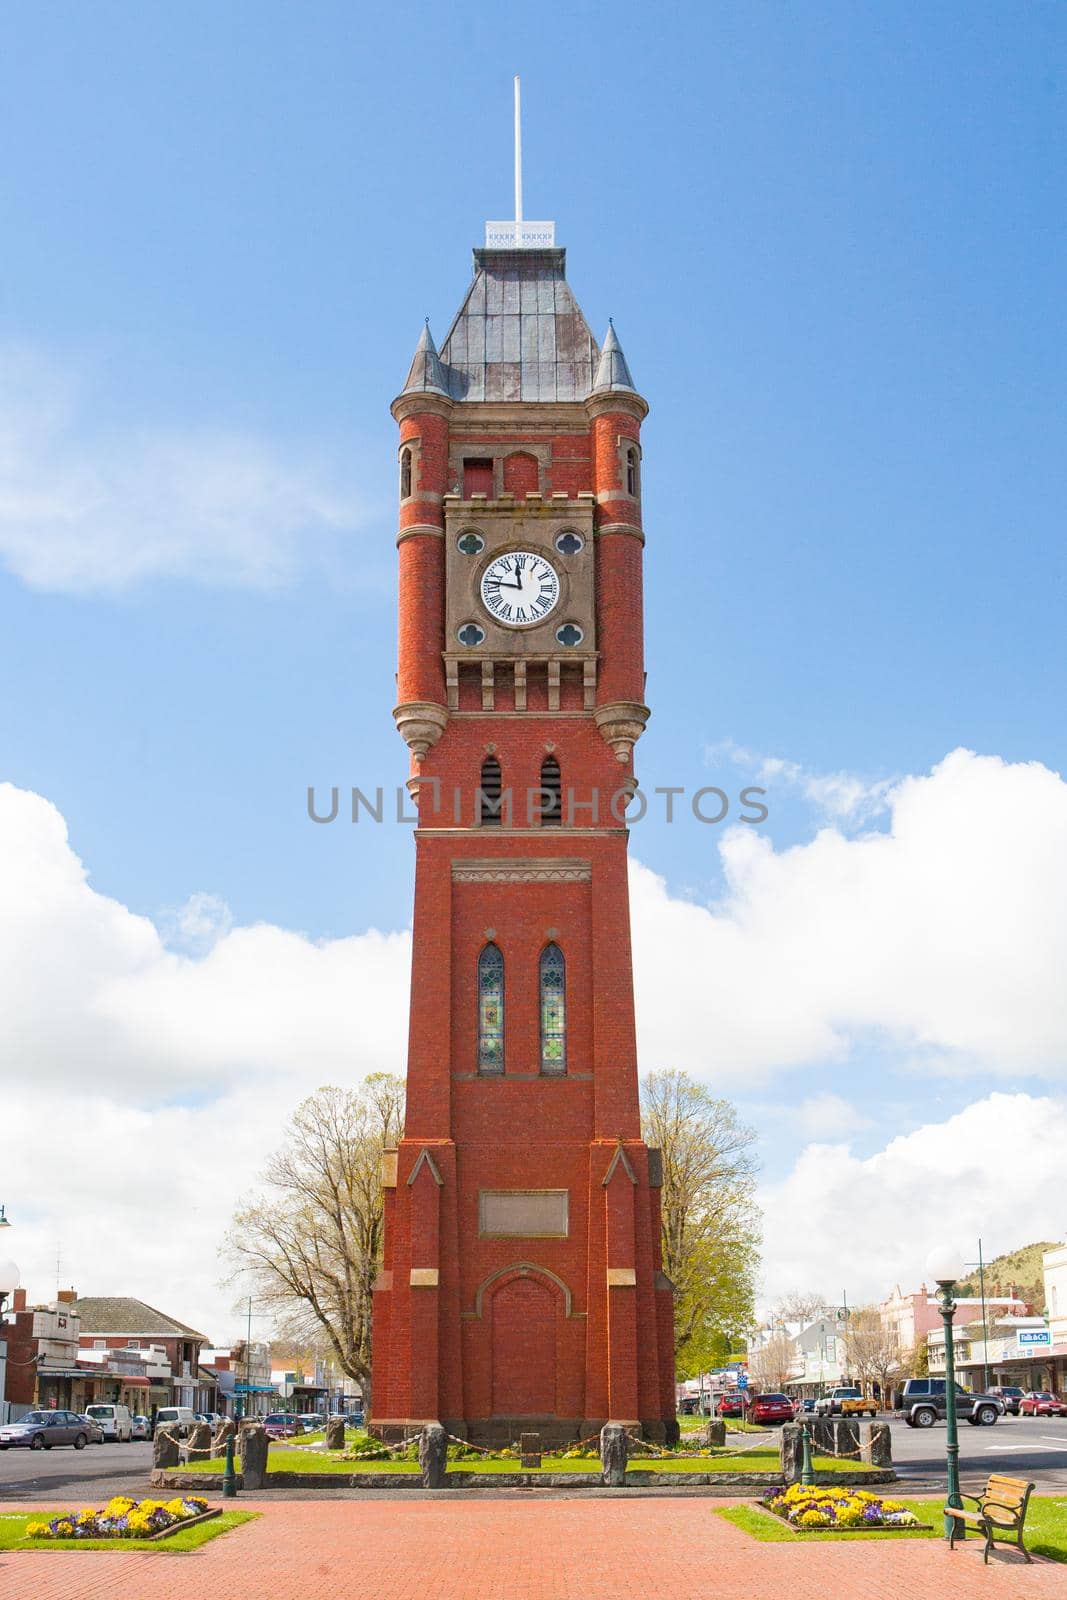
(995, 1170)
(945, 937)
(846, 797)
(825, 1113)
(84, 508)
(169, 1072)
(92, 995)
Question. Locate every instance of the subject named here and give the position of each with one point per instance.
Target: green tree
(711, 1223)
(311, 1239)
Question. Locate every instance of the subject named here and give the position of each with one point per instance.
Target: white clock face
(520, 589)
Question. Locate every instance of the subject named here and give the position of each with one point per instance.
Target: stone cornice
(415, 528)
(409, 405)
(629, 528)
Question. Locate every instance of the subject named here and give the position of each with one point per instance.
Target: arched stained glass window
(553, 1010)
(491, 1010)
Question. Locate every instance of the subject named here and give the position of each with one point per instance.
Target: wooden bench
(1001, 1513)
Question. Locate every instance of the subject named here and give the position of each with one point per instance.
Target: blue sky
(832, 241)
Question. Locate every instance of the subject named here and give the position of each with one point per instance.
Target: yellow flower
(814, 1519)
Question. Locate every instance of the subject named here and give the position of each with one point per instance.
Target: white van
(114, 1422)
(178, 1420)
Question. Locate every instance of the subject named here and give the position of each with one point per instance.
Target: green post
(807, 1471)
(952, 1438)
(229, 1476)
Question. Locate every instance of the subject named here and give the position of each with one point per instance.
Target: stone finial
(426, 374)
(612, 370)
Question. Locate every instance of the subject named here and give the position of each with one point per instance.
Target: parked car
(731, 1403)
(922, 1403)
(1042, 1403)
(771, 1408)
(283, 1425)
(93, 1429)
(40, 1430)
(806, 1406)
(177, 1420)
(312, 1421)
(846, 1400)
(116, 1421)
(1010, 1396)
(212, 1418)
(142, 1427)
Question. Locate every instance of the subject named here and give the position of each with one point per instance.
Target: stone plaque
(523, 1213)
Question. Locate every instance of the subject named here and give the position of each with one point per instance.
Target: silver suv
(923, 1403)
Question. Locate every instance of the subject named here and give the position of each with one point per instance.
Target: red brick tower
(522, 1283)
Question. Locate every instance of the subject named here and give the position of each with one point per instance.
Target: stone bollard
(433, 1455)
(714, 1435)
(672, 1433)
(254, 1443)
(878, 1446)
(335, 1433)
(164, 1449)
(529, 1449)
(790, 1452)
(823, 1436)
(198, 1444)
(614, 1449)
(226, 1432)
(847, 1438)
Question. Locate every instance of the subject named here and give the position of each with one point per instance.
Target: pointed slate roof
(519, 334)
(425, 373)
(612, 372)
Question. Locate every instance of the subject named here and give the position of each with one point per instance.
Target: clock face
(520, 588)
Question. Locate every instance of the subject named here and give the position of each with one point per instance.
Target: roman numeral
(520, 615)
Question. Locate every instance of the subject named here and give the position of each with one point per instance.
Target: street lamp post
(9, 1282)
(945, 1269)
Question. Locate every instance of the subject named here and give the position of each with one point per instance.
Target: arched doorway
(524, 1349)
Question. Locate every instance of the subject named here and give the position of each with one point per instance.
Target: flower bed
(838, 1510)
(121, 1518)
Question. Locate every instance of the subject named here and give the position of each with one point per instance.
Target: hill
(1020, 1267)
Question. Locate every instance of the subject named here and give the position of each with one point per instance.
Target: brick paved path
(520, 1550)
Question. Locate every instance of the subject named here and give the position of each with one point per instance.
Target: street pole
(807, 1472)
(229, 1476)
(985, 1324)
(952, 1441)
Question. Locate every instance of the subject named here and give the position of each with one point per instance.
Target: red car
(1040, 1403)
(772, 1408)
(731, 1403)
(283, 1425)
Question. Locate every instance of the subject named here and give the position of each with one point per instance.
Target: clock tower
(522, 1286)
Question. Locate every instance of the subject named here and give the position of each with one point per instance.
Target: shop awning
(254, 1388)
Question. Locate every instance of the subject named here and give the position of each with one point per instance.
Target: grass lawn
(756, 1460)
(13, 1534)
(1045, 1535)
(306, 1461)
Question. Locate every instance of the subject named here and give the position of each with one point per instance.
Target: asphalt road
(1025, 1447)
(95, 1473)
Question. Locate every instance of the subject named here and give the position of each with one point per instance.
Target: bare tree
(872, 1351)
(800, 1305)
(312, 1239)
(771, 1364)
(711, 1223)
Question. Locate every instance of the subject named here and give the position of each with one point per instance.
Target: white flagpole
(518, 161)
